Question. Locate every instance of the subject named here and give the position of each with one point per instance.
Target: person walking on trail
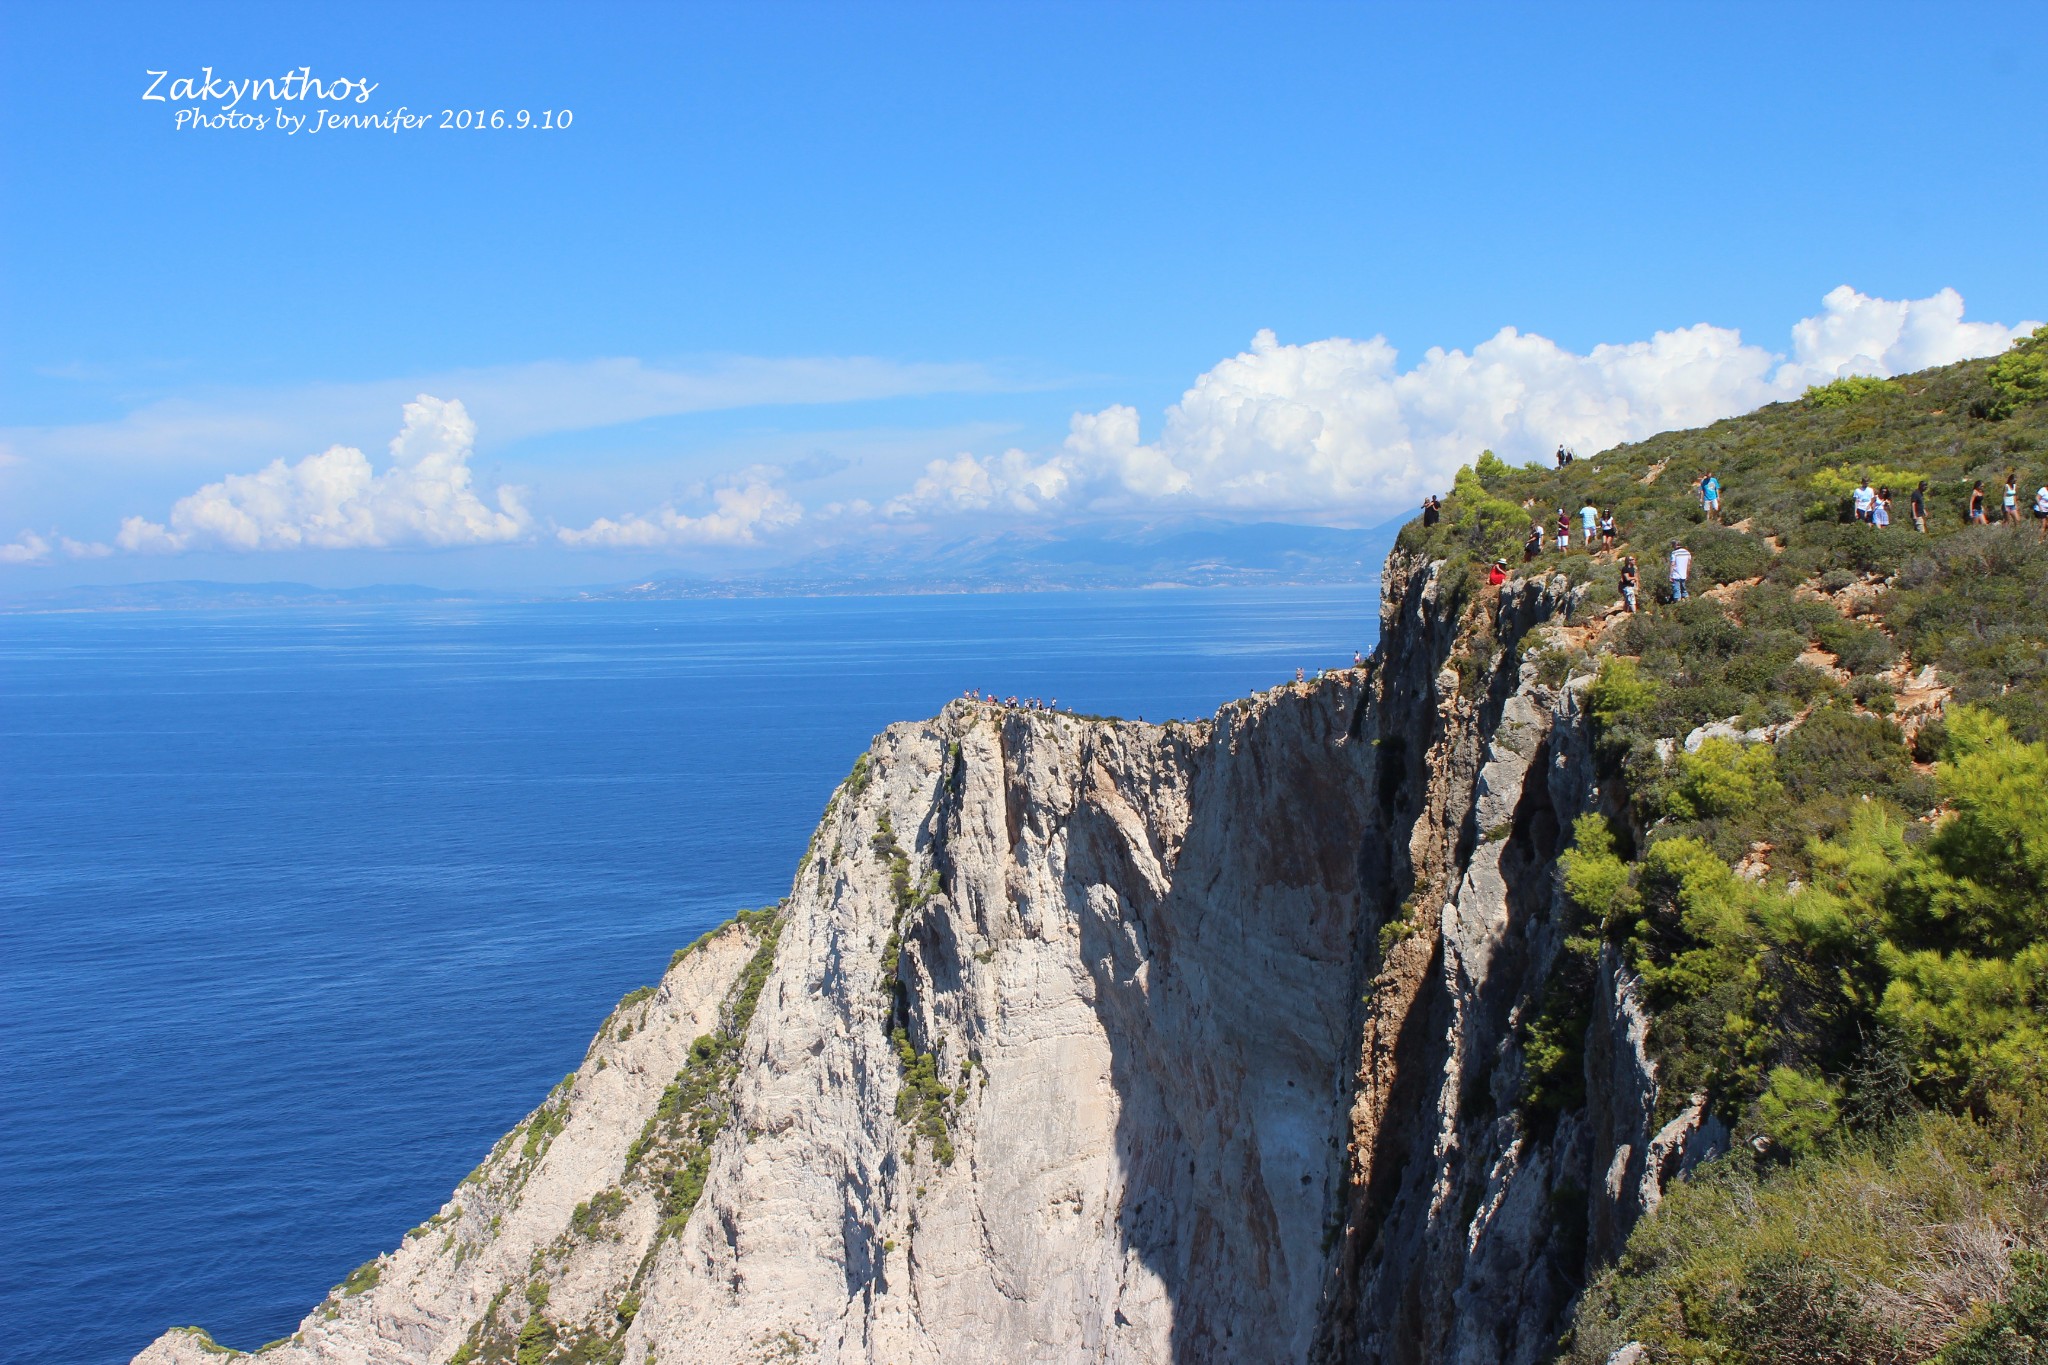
(1976, 514)
(2041, 512)
(1920, 508)
(1864, 497)
(1681, 570)
(1560, 457)
(1564, 532)
(1629, 578)
(1533, 546)
(1881, 510)
(1589, 522)
(1710, 495)
(2012, 496)
(1607, 530)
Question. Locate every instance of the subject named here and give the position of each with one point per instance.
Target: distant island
(1184, 552)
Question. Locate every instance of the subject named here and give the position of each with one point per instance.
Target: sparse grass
(1885, 1251)
(673, 1151)
(362, 1279)
(925, 1103)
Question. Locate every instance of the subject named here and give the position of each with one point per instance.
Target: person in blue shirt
(1710, 495)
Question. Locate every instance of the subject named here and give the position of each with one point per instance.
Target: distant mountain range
(200, 594)
(1184, 553)
(1193, 552)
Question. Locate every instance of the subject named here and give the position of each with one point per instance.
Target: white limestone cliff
(1091, 1040)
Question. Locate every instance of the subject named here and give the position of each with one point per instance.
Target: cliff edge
(1084, 1039)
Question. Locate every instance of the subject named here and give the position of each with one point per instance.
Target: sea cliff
(1082, 1038)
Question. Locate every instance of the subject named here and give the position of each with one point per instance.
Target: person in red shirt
(1498, 574)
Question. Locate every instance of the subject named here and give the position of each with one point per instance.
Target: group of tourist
(1593, 523)
(1017, 703)
(2009, 504)
(1872, 506)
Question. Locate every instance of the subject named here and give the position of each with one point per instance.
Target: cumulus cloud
(1336, 427)
(30, 548)
(744, 509)
(338, 500)
(26, 548)
(1856, 334)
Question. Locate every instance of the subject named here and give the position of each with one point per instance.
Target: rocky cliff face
(1093, 1040)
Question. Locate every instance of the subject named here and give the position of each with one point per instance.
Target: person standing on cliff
(1432, 509)
(1681, 570)
(1533, 546)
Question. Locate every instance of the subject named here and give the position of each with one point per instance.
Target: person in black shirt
(1431, 510)
(1920, 508)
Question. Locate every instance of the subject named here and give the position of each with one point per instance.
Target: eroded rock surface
(1094, 1040)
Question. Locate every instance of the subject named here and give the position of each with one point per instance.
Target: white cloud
(26, 548)
(1335, 428)
(337, 500)
(1857, 334)
(30, 548)
(745, 508)
(514, 402)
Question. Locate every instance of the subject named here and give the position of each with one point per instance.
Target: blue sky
(792, 264)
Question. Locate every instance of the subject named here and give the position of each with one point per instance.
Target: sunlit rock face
(1080, 1039)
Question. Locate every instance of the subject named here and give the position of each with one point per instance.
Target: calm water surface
(300, 910)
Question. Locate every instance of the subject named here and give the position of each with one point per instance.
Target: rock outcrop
(1095, 1040)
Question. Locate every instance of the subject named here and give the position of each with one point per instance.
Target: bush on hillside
(1851, 389)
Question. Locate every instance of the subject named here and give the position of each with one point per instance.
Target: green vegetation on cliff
(1823, 848)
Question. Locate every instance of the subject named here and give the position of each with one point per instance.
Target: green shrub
(1619, 691)
(2020, 376)
(1842, 1256)
(1723, 778)
(1851, 389)
(2011, 1332)
(536, 1340)
(362, 1279)
(1798, 1110)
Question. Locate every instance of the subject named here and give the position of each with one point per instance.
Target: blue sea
(301, 909)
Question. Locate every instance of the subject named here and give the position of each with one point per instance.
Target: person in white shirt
(2041, 512)
(1866, 496)
(1681, 570)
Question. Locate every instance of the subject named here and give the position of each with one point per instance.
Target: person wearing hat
(1498, 574)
